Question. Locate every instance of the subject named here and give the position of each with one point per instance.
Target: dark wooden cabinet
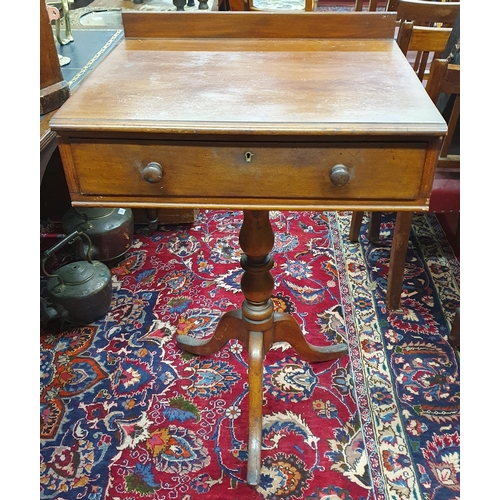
(54, 90)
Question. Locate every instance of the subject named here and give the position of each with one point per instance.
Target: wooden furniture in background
(391, 5)
(54, 90)
(169, 216)
(419, 20)
(425, 40)
(427, 12)
(276, 129)
(444, 78)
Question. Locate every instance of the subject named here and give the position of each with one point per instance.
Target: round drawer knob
(152, 172)
(339, 175)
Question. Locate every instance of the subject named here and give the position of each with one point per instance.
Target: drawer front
(375, 171)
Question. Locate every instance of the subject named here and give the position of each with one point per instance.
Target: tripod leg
(288, 330)
(255, 370)
(230, 327)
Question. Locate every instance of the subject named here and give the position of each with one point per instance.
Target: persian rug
(127, 415)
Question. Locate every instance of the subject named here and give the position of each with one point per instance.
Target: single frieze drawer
(346, 171)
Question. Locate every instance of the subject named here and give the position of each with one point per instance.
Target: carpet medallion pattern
(127, 415)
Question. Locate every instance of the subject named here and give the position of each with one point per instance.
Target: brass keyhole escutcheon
(248, 157)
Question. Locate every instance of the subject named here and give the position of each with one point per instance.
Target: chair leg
(398, 259)
(398, 251)
(454, 337)
(374, 227)
(356, 220)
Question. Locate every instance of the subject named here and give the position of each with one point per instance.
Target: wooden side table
(255, 112)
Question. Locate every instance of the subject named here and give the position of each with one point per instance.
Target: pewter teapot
(80, 292)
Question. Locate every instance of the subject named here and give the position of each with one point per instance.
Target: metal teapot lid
(77, 273)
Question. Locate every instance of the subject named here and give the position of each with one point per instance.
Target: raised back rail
(304, 25)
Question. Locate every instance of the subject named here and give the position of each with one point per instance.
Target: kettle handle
(67, 239)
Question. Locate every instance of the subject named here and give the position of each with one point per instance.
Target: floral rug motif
(127, 415)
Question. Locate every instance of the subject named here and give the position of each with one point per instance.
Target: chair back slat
(423, 40)
(372, 5)
(428, 13)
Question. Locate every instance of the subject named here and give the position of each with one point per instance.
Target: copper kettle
(111, 231)
(79, 292)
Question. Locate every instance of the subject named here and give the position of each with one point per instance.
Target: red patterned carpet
(127, 415)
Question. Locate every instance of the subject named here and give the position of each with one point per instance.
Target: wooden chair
(426, 12)
(417, 32)
(444, 78)
(425, 41)
(445, 195)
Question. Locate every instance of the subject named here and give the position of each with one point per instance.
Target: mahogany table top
(303, 73)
